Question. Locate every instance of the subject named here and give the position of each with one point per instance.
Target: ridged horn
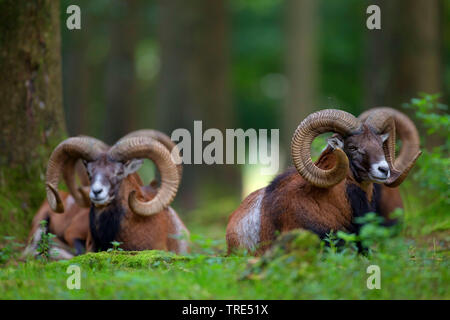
(405, 131)
(71, 169)
(65, 155)
(162, 138)
(144, 147)
(383, 122)
(328, 120)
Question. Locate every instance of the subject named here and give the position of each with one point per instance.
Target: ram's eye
(352, 148)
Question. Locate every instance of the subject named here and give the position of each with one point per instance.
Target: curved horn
(67, 153)
(328, 120)
(383, 122)
(84, 192)
(396, 181)
(406, 132)
(144, 147)
(74, 167)
(71, 168)
(81, 172)
(162, 138)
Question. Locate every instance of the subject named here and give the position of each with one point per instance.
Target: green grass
(413, 259)
(297, 268)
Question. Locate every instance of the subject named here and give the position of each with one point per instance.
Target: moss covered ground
(298, 267)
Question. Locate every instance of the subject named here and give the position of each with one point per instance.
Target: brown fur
(298, 205)
(138, 232)
(143, 233)
(290, 202)
(236, 216)
(68, 226)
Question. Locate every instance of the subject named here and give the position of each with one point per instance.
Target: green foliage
(407, 272)
(373, 234)
(431, 178)
(204, 245)
(298, 266)
(9, 250)
(340, 272)
(432, 113)
(124, 259)
(45, 244)
(22, 191)
(294, 252)
(433, 172)
(17, 204)
(116, 247)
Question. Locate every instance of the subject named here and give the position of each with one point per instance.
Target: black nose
(97, 191)
(383, 170)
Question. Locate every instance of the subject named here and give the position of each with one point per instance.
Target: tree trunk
(194, 81)
(378, 57)
(31, 114)
(404, 57)
(120, 74)
(416, 49)
(301, 64)
(76, 94)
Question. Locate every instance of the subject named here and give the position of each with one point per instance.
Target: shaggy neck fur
(105, 225)
(361, 204)
(105, 222)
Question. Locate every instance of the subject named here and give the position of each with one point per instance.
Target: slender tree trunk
(76, 95)
(378, 56)
(194, 80)
(417, 44)
(404, 57)
(31, 114)
(301, 64)
(120, 74)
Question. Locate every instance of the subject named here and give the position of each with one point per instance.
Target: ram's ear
(131, 166)
(335, 141)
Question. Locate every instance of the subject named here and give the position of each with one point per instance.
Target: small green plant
(429, 202)
(45, 244)
(373, 233)
(349, 240)
(433, 173)
(203, 245)
(9, 249)
(433, 114)
(332, 242)
(115, 247)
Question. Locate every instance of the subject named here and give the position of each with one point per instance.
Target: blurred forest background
(232, 64)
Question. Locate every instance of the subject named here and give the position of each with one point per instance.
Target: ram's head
(107, 168)
(366, 147)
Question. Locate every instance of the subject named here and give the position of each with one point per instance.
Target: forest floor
(413, 261)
